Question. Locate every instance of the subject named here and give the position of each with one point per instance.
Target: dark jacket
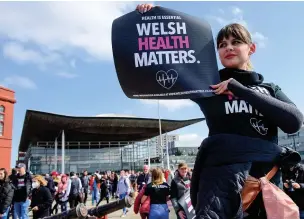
(51, 185)
(41, 198)
(223, 163)
(178, 189)
(6, 195)
(297, 175)
(85, 183)
(22, 192)
(142, 178)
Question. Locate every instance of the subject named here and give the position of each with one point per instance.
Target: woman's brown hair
(237, 31)
(157, 176)
(41, 180)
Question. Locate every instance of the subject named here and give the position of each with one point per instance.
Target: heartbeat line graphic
(166, 79)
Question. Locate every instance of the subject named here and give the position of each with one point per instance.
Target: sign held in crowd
(164, 54)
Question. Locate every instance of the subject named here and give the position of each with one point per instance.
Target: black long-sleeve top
(257, 109)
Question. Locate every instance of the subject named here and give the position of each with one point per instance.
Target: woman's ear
(252, 48)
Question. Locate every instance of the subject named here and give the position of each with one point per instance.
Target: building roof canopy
(42, 126)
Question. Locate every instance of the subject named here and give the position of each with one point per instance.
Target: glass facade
(91, 156)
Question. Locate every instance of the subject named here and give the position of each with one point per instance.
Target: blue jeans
(21, 209)
(95, 196)
(301, 214)
(159, 211)
(5, 215)
(122, 196)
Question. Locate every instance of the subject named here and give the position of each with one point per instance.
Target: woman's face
(35, 183)
(63, 179)
(234, 53)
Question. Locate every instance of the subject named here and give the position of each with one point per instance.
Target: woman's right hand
(143, 8)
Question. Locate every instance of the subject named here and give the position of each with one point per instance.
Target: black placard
(164, 54)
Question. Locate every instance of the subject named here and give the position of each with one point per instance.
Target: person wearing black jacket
(144, 178)
(6, 194)
(293, 178)
(179, 186)
(41, 198)
(243, 118)
(23, 185)
(85, 185)
(104, 190)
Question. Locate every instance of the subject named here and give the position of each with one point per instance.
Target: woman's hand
(143, 8)
(35, 208)
(222, 88)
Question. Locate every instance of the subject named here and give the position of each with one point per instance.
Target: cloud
(67, 75)
(18, 81)
(73, 63)
(260, 39)
(17, 52)
(60, 27)
(189, 140)
(237, 11)
(236, 15)
(171, 105)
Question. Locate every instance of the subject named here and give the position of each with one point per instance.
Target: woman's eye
(236, 42)
(222, 45)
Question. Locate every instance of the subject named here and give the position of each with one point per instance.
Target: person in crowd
(114, 179)
(96, 188)
(85, 185)
(142, 208)
(158, 191)
(41, 198)
(132, 177)
(23, 184)
(243, 120)
(6, 194)
(144, 178)
(56, 179)
(123, 189)
(293, 178)
(179, 186)
(75, 191)
(104, 190)
(50, 184)
(63, 192)
(12, 178)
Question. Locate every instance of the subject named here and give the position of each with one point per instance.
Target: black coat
(6, 196)
(41, 198)
(223, 163)
(143, 178)
(297, 175)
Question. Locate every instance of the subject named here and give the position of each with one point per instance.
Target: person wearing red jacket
(142, 208)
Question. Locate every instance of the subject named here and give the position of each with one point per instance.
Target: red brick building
(7, 101)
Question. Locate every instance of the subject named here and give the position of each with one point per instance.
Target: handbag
(252, 187)
(277, 203)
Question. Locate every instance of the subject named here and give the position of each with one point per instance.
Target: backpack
(74, 187)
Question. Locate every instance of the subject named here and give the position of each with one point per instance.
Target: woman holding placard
(243, 120)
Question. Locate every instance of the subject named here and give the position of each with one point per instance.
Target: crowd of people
(44, 195)
(154, 190)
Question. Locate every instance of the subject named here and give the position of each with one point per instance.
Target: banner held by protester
(164, 54)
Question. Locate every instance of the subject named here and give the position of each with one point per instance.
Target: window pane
(1, 128)
(1, 118)
(1, 109)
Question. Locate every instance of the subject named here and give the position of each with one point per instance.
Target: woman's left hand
(222, 88)
(35, 208)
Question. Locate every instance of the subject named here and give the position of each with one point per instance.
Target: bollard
(111, 207)
(81, 212)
